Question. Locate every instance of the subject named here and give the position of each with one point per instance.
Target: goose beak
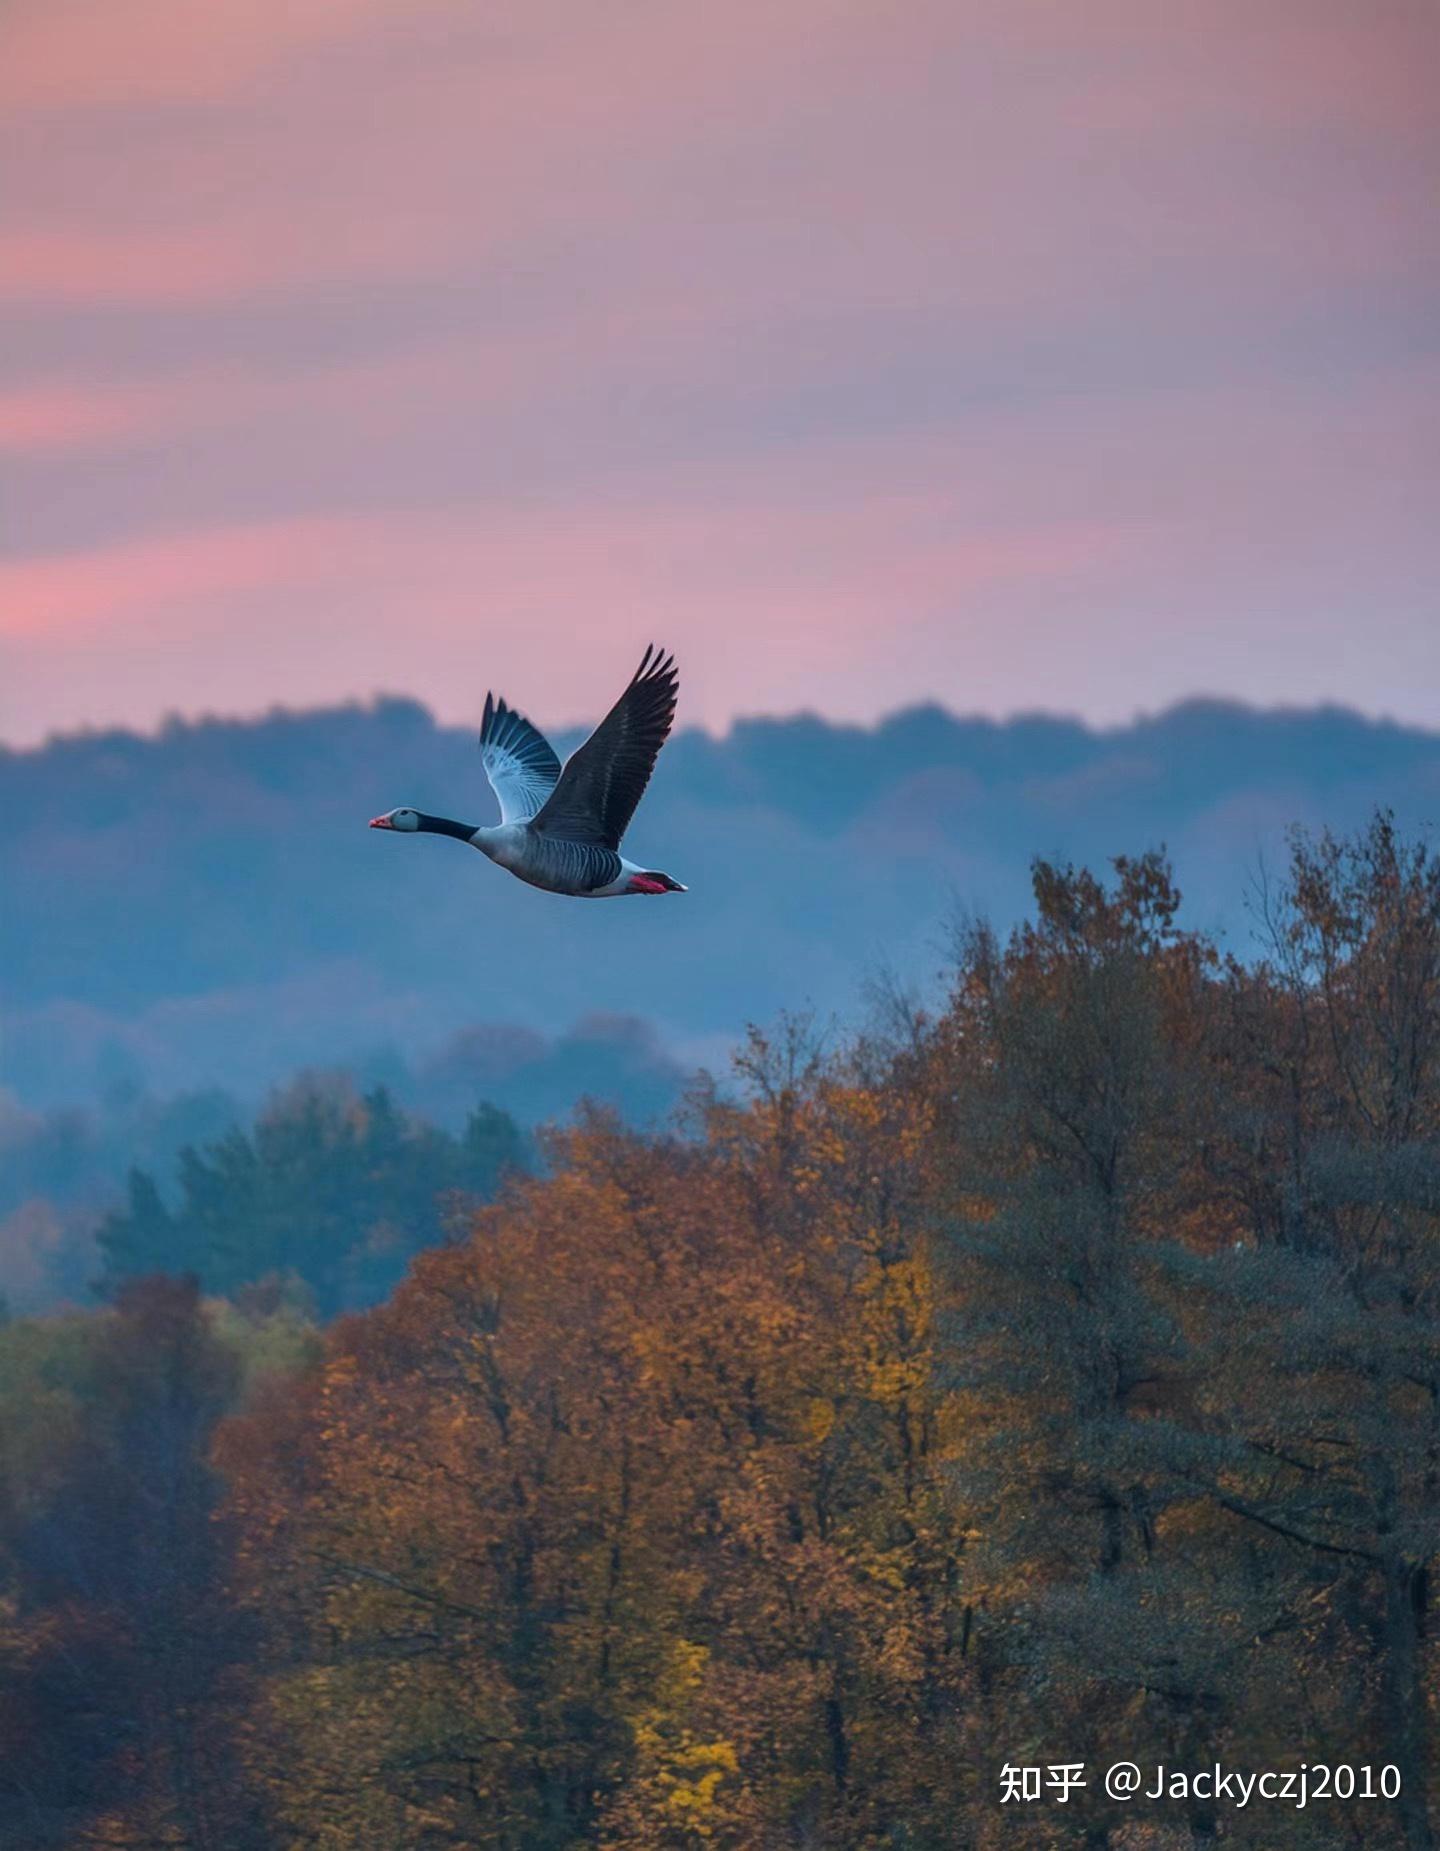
(381, 822)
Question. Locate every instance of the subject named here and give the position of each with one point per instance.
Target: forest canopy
(1050, 1376)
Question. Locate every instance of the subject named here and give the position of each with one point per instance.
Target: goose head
(407, 821)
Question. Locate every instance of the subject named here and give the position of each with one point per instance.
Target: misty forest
(1047, 1371)
(196, 924)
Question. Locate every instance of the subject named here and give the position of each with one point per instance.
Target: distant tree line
(1054, 1377)
(256, 928)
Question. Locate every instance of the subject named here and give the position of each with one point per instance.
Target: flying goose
(561, 829)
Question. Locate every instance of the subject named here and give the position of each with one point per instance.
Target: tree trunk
(1406, 1719)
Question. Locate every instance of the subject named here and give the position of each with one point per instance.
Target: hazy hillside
(207, 906)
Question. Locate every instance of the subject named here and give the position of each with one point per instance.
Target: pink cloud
(85, 595)
(541, 601)
(57, 267)
(538, 561)
(59, 417)
(922, 149)
(849, 576)
(41, 419)
(70, 54)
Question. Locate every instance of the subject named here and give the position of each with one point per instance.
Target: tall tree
(336, 1189)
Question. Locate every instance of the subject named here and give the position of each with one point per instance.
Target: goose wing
(518, 759)
(604, 780)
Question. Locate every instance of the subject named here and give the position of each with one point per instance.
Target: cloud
(75, 55)
(852, 344)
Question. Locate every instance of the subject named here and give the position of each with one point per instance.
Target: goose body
(560, 826)
(584, 870)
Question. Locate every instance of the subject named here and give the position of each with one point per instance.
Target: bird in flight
(560, 829)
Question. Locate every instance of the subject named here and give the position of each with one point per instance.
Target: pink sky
(1012, 352)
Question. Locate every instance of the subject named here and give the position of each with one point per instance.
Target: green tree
(338, 1190)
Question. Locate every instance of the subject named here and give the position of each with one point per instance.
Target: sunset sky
(1019, 353)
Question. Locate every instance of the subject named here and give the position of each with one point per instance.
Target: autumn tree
(625, 1522)
(116, 1630)
(1325, 1320)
